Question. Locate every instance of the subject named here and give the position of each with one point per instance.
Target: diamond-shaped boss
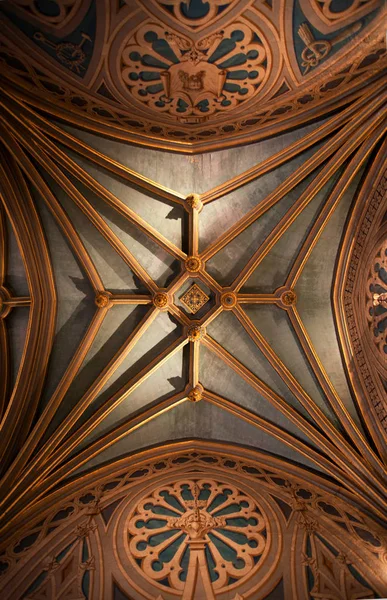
(194, 298)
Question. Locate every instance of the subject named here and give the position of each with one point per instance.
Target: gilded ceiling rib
(194, 356)
(193, 232)
(314, 411)
(353, 141)
(32, 470)
(207, 278)
(269, 164)
(333, 145)
(295, 272)
(329, 207)
(111, 403)
(50, 129)
(38, 476)
(210, 316)
(310, 430)
(5, 367)
(102, 443)
(22, 404)
(12, 143)
(110, 198)
(43, 158)
(13, 476)
(331, 393)
(369, 187)
(98, 221)
(273, 162)
(293, 442)
(4, 344)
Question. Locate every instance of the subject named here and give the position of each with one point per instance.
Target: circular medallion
(289, 298)
(195, 333)
(196, 394)
(102, 300)
(193, 264)
(194, 202)
(170, 527)
(160, 300)
(228, 300)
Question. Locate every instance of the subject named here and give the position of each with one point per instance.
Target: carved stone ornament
(196, 394)
(190, 74)
(380, 299)
(194, 202)
(160, 300)
(193, 264)
(289, 298)
(187, 79)
(196, 333)
(205, 516)
(102, 300)
(179, 521)
(332, 577)
(71, 55)
(228, 300)
(194, 298)
(377, 300)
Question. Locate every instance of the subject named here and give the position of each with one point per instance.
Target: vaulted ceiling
(193, 300)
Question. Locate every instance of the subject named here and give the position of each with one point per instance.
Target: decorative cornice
(272, 100)
(350, 304)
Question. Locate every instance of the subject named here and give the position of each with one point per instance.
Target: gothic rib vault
(193, 344)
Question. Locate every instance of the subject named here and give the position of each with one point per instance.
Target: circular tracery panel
(188, 80)
(218, 520)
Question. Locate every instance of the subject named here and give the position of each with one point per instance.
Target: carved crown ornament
(190, 75)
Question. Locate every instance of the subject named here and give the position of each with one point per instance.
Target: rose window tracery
(170, 524)
(191, 80)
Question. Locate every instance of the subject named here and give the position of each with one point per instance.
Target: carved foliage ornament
(232, 528)
(194, 298)
(191, 80)
(377, 300)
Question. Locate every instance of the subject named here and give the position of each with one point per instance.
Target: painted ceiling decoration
(193, 345)
(191, 75)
